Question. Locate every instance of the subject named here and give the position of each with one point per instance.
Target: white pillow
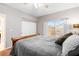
(70, 44)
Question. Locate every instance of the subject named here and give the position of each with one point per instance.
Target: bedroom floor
(5, 52)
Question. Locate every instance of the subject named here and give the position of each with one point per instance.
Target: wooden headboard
(15, 39)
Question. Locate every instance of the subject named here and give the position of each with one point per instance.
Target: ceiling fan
(38, 5)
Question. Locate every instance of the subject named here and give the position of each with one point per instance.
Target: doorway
(2, 32)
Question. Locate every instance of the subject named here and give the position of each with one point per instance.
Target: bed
(35, 45)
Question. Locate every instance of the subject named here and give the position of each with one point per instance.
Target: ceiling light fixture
(38, 5)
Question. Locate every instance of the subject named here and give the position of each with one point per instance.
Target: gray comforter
(36, 46)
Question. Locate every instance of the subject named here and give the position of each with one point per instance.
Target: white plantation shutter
(28, 28)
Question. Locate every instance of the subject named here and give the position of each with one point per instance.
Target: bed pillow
(70, 44)
(74, 52)
(60, 40)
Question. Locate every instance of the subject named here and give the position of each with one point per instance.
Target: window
(56, 27)
(28, 28)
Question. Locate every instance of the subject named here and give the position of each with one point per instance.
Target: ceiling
(49, 8)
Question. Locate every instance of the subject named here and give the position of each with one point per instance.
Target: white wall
(70, 14)
(13, 22)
